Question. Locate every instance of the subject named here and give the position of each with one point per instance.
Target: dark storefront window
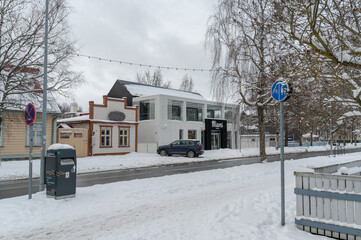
(175, 109)
(146, 109)
(180, 133)
(194, 112)
(214, 111)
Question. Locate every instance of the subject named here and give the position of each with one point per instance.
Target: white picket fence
(328, 204)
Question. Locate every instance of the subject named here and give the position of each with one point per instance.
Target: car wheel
(190, 154)
(163, 153)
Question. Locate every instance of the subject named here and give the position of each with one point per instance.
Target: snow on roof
(74, 119)
(139, 90)
(307, 135)
(64, 126)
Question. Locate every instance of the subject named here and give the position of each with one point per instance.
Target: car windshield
(175, 143)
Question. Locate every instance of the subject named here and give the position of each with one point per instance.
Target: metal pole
(282, 166)
(45, 100)
(331, 129)
(31, 139)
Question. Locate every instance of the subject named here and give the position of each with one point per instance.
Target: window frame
(123, 128)
(148, 104)
(102, 127)
(195, 134)
(175, 106)
(198, 111)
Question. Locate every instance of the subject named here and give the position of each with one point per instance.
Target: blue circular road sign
(279, 90)
(30, 114)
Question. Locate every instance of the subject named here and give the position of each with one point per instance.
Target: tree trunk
(262, 142)
(311, 141)
(300, 137)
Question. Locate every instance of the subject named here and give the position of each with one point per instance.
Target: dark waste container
(60, 173)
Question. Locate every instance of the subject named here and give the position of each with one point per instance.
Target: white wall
(115, 139)
(161, 131)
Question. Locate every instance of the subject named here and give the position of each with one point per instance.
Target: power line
(145, 65)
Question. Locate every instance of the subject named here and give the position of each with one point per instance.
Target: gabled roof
(139, 89)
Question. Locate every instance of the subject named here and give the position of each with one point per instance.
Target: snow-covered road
(234, 203)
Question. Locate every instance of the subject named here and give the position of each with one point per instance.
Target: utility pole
(331, 140)
(45, 100)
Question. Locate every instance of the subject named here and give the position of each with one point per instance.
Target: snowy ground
(10, 170)
(234, 203)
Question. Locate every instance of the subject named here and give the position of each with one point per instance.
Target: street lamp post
(45, 100)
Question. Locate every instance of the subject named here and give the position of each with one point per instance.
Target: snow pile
(233, 203)
(60, 146)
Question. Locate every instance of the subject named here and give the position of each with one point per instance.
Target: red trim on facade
(90, 134)
(91, 110)
(121, 123)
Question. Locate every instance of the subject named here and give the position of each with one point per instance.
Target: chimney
(73, 107)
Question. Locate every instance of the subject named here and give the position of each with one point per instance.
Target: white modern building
(166, 115)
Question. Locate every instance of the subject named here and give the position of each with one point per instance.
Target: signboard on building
(215, 133)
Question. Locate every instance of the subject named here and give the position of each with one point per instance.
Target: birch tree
(249, 54)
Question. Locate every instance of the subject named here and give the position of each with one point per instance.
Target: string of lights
(145, 65)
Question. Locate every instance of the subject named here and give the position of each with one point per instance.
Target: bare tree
(249, 54)
(331, 30)
(22, 25)
(155, 79)
(187, 83)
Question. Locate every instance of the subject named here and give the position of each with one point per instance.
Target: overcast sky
(156, 32)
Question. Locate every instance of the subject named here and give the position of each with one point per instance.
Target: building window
(272, 139)
(123, 137)
(192, 134)
(36, 136)
(175, 109)
(105, 136)
(214, 111)
(228, 114)
(229, 139)
(146, 109)
(180, 133)
(194, 112)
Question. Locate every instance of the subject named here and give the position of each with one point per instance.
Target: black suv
(190, 148)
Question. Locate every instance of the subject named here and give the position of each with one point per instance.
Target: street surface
(20, 187)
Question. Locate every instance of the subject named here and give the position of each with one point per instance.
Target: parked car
(190, 148)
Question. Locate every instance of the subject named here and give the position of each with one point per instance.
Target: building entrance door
(215, 139)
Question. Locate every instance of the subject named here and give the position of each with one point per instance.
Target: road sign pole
(281, 91)
(31, 139)
(282, 165)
